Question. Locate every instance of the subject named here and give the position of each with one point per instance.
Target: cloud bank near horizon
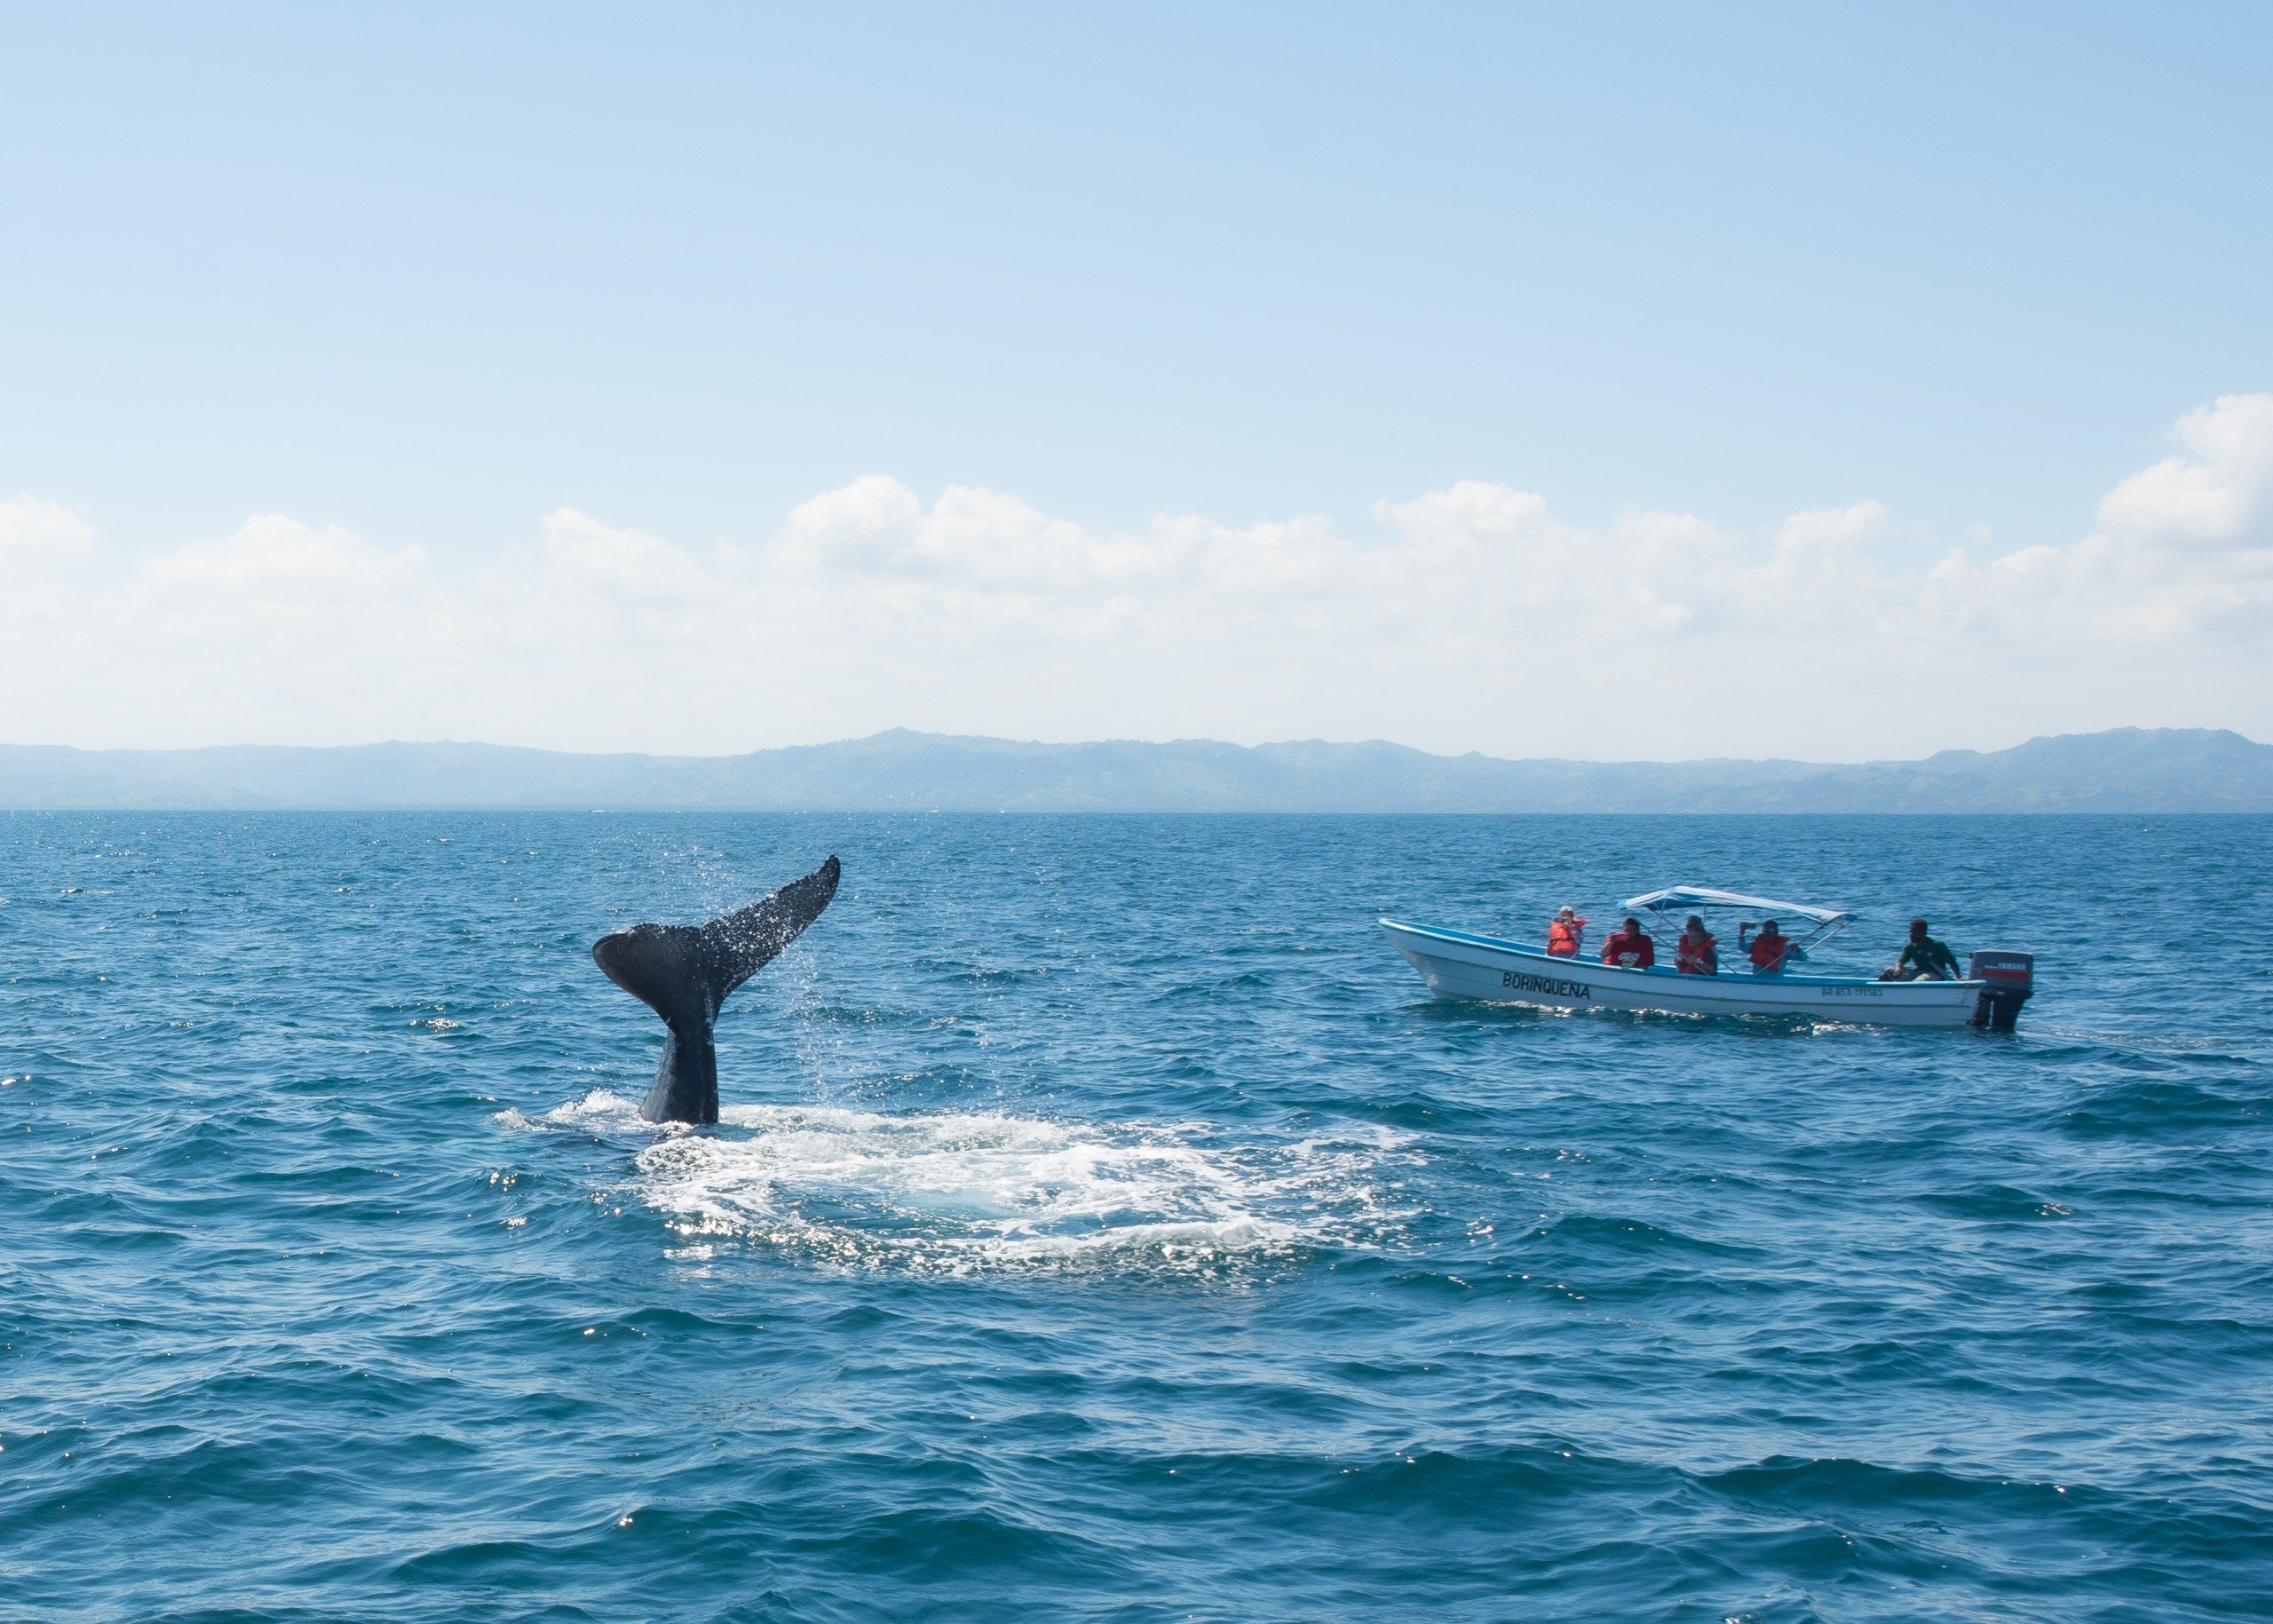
(1468, 618)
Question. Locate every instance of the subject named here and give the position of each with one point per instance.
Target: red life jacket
(1768, 951)
(1635, 952)
(1562, 937)
(1695, 959)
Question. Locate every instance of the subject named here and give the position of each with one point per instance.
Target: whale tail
(683, 973)
(737, 946)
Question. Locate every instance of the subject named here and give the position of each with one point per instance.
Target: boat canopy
(1698, 898)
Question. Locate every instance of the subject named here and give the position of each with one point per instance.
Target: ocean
(1104, 1225)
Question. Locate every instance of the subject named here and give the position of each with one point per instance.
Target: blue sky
(426, 276)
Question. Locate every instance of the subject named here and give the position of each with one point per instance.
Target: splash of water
(958, 1192)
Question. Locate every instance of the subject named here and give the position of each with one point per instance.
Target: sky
(1636, 382)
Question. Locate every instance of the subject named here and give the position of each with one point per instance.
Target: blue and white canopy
(1701, 899)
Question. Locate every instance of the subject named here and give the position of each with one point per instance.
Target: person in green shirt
(1923, 959)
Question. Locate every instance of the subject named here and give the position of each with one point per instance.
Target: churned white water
(966, 1191)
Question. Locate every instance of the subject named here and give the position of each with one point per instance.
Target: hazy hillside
(2125, 770)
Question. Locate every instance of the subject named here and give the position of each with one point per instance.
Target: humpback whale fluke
(683, 973)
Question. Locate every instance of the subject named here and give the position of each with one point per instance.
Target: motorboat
(1462, 964)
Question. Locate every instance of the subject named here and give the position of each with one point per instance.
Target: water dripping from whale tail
(683, 973)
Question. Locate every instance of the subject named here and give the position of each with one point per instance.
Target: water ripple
(1102, 1226)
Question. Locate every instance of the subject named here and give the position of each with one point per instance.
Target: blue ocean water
(1105, 1226)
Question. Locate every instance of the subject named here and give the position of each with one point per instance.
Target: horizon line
(1095, 743)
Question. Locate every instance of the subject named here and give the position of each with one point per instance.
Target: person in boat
(1630, 947)
(1566, 932)
(1697, 953)
(1923, 959)
(1770, 950)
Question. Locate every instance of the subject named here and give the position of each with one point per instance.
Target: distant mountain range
(2126, 770)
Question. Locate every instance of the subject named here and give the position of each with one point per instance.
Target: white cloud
(36, 537)
(2215, 494)
(621, 566)
(274, 576)
(1468, 617)
(2180, 569)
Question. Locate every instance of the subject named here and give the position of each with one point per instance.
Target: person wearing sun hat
(1566, 933)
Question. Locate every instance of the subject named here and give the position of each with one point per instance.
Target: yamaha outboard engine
(2007, 979)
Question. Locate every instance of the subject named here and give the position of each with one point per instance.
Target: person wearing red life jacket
(1566, 933)
(1772, 950)
(1630, 947)
(1697, 953)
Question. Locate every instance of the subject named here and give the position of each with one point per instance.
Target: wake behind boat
(1464, 964)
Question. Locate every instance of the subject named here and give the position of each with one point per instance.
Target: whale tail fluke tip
(684, 972)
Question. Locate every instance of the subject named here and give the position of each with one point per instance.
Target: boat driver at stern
(1923, 959)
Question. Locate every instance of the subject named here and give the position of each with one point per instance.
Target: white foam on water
(963, 1192)
(602, 1110)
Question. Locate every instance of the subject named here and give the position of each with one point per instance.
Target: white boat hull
(1456, 964)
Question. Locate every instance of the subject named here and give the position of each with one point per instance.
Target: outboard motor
(2007, 979)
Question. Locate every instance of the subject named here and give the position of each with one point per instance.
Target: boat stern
(2007, 979)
